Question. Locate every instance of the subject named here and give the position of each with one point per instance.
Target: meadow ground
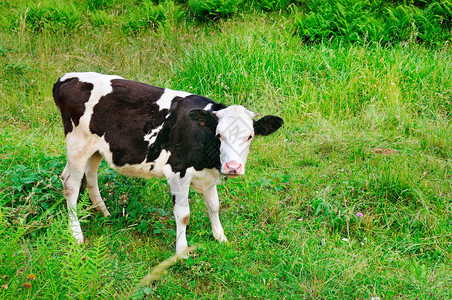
(351, 199)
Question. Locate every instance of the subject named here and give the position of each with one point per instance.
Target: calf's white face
(235, 131)
(235, 128)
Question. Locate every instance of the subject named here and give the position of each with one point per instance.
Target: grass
(324, 211)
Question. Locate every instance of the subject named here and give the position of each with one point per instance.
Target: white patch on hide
(205, 179)
(144, 169)
(168, 95)
(152, 136)
(101, 87)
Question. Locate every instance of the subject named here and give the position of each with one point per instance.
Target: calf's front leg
(213, 207)
(179, 189)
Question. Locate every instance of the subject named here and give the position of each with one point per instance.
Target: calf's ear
(267, 125)
(203, 118)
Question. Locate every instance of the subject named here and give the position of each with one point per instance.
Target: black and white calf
(146, 131)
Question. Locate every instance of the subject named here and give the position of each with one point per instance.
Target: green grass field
(350, 199)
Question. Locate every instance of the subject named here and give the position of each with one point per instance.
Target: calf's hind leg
(72, 176)
(92, 184)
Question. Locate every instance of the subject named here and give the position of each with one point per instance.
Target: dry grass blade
(159, 270)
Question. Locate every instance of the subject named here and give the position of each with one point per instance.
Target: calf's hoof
(221, 238)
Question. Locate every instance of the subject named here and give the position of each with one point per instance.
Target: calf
(147, 131)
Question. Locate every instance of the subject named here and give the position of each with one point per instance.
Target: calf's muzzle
(233, 168)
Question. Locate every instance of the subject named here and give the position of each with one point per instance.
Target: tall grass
(350, 199)
(345, 82)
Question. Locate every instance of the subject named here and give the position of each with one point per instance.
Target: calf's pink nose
(232, 167)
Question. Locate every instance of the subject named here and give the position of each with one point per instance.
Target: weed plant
(212, 9)
(149, 15)
(350, 199)
(275, 5)
(375, 21)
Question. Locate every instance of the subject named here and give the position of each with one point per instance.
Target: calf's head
(235, 127)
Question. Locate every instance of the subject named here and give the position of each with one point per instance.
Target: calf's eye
(249, 138)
